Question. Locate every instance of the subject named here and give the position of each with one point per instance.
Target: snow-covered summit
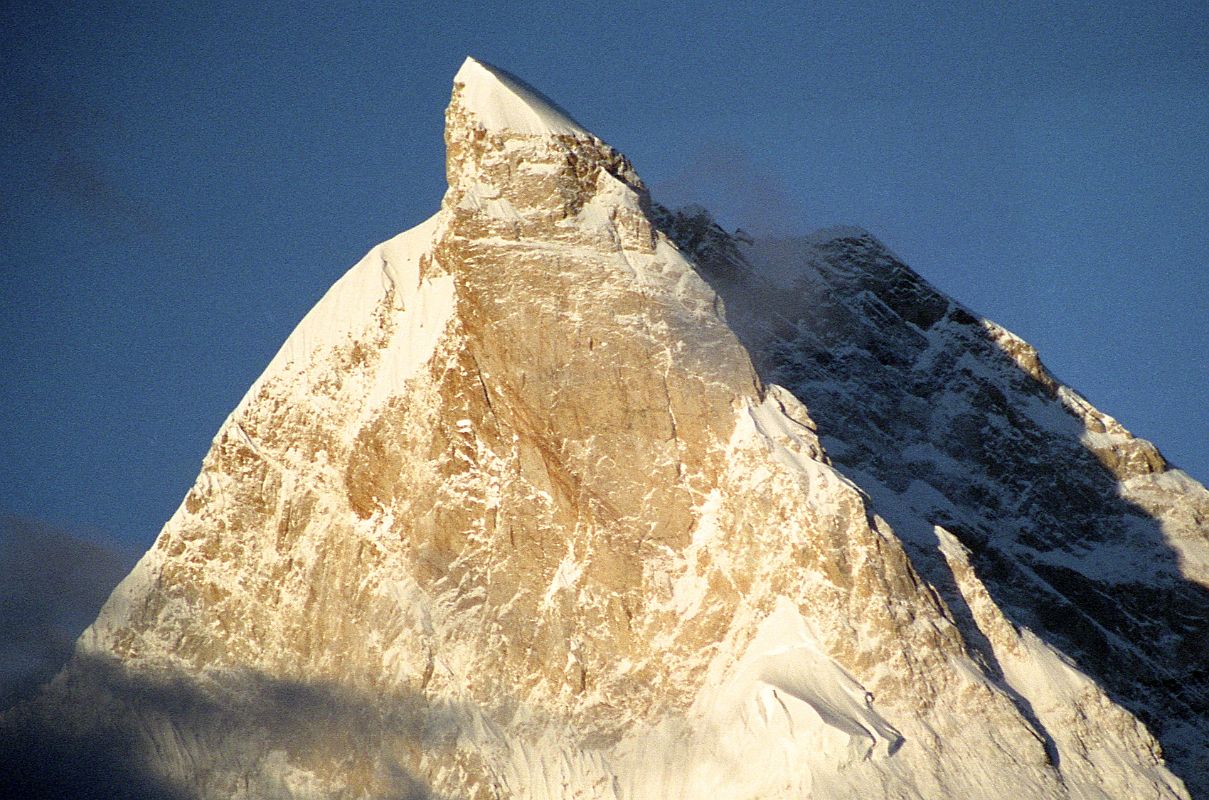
(561, 494)
(502, 102)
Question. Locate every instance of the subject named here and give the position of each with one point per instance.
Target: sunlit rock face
(563, 495)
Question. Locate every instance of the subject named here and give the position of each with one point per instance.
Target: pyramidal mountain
(562, 494)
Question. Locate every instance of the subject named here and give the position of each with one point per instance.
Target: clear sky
(180, 182)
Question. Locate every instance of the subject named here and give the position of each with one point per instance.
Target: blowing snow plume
(726, 179)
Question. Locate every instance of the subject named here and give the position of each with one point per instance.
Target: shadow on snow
(940, 419)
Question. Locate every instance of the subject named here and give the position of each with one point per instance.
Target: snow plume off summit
(564, 494)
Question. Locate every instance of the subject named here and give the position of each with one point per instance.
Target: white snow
(782, 702)
(424, 305)
(345, 312)
(786, 658)
(565, 577)
(690, 590)
(502, 102)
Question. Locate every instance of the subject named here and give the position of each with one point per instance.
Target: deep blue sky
(180, 182)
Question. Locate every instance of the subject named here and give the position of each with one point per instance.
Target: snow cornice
(502, 103)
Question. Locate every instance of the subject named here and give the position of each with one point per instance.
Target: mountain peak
(517, 162)
(563, 494)
(501, 102)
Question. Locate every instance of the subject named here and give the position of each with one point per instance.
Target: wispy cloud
(52, 584)
(51, 134)
(729, 182)
(83, 182)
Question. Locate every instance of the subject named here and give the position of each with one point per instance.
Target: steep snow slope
(521, 509)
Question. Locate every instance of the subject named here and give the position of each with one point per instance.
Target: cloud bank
(52, 584)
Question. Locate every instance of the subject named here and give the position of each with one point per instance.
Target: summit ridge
(502, 102)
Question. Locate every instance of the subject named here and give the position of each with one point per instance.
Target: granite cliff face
(563, 495)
